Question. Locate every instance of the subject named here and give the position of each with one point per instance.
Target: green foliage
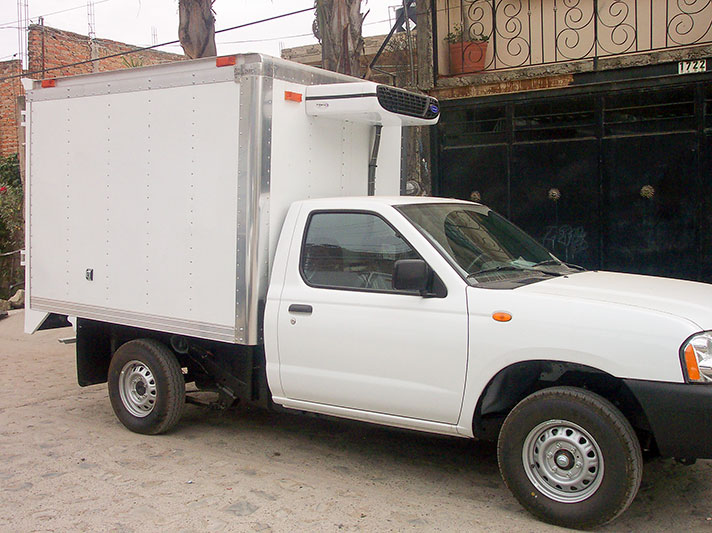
(10, 171)
(132, 61)
(11, 199)
(11, 223)
(12, 227)
(458, 34)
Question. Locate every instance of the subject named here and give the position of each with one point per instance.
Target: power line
(267, 39)
(54, 13)
(246, 41)
(292, 36)
(144, 48)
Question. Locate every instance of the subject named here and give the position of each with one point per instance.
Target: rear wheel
(146, 386)
(570, 457)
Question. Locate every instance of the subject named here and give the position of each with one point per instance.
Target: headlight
(697, 358)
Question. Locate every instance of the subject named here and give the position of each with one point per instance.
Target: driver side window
(350, 250)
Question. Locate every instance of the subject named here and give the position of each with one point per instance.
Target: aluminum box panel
(140, 189)
(170, 184)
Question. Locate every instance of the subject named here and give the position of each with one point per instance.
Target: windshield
(484, 246)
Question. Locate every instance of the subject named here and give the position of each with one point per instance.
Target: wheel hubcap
(563, 461)
(137, 388)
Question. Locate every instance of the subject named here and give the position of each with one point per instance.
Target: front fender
(623, 341)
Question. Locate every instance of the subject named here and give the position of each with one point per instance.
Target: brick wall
(9, 91)
(49, 47)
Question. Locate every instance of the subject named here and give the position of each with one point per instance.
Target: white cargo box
(156, 195)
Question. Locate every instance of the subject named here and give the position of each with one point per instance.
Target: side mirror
(411, 275)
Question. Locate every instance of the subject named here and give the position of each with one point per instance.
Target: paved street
(66, 464)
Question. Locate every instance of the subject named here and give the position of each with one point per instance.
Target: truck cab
(439, 315)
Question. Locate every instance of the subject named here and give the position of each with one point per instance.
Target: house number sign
(692, 67)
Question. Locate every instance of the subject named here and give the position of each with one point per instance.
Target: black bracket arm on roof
(398, 24)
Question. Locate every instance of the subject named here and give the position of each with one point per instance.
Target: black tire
(600, 453)
(149, 397)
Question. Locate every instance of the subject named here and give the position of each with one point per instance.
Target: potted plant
(467, 52)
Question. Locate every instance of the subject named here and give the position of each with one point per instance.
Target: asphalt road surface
(67, 464)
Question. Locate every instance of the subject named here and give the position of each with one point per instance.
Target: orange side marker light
(502, 316)
(693, 371)
(292, 97)
(49, 83)
(225, 61)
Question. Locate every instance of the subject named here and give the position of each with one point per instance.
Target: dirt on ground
(67, 464)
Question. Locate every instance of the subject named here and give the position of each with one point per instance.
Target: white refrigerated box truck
(236, 222)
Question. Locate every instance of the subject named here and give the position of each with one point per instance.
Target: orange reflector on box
(225, 61)
(48, 83)
(693, 371)
(292, 97)
(502, 317)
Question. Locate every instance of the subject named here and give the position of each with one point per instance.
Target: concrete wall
(394, 60)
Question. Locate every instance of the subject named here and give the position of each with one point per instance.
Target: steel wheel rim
(137, 388)
(563, 461)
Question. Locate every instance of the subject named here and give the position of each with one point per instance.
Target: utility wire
(144, 48)
(267, 39)
(291, 36)
(53, 13)
(285, 36)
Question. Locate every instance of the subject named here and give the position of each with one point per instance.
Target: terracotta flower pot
(467, 57)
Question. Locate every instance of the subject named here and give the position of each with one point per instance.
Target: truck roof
(359, 202)
(179, 73)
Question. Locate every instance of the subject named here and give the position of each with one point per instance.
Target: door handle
(301, 308)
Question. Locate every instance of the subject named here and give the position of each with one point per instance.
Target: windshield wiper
(493, 269)
(509, 267)
(557, 262)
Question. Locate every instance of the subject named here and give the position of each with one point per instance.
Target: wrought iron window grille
(523, 33)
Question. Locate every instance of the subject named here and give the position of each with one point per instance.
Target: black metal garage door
(608, 178)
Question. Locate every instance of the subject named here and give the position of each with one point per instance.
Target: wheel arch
(97, 343)
(517, 381)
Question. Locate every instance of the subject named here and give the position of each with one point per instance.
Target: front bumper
(680, 416)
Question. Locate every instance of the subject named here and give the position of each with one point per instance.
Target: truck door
(346, 338)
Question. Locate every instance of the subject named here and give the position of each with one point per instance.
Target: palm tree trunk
(196, 28)
(339, 23)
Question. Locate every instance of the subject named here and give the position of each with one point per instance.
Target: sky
(133, 22)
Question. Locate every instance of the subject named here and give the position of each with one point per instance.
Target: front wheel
(570, 457)
(146, 386)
